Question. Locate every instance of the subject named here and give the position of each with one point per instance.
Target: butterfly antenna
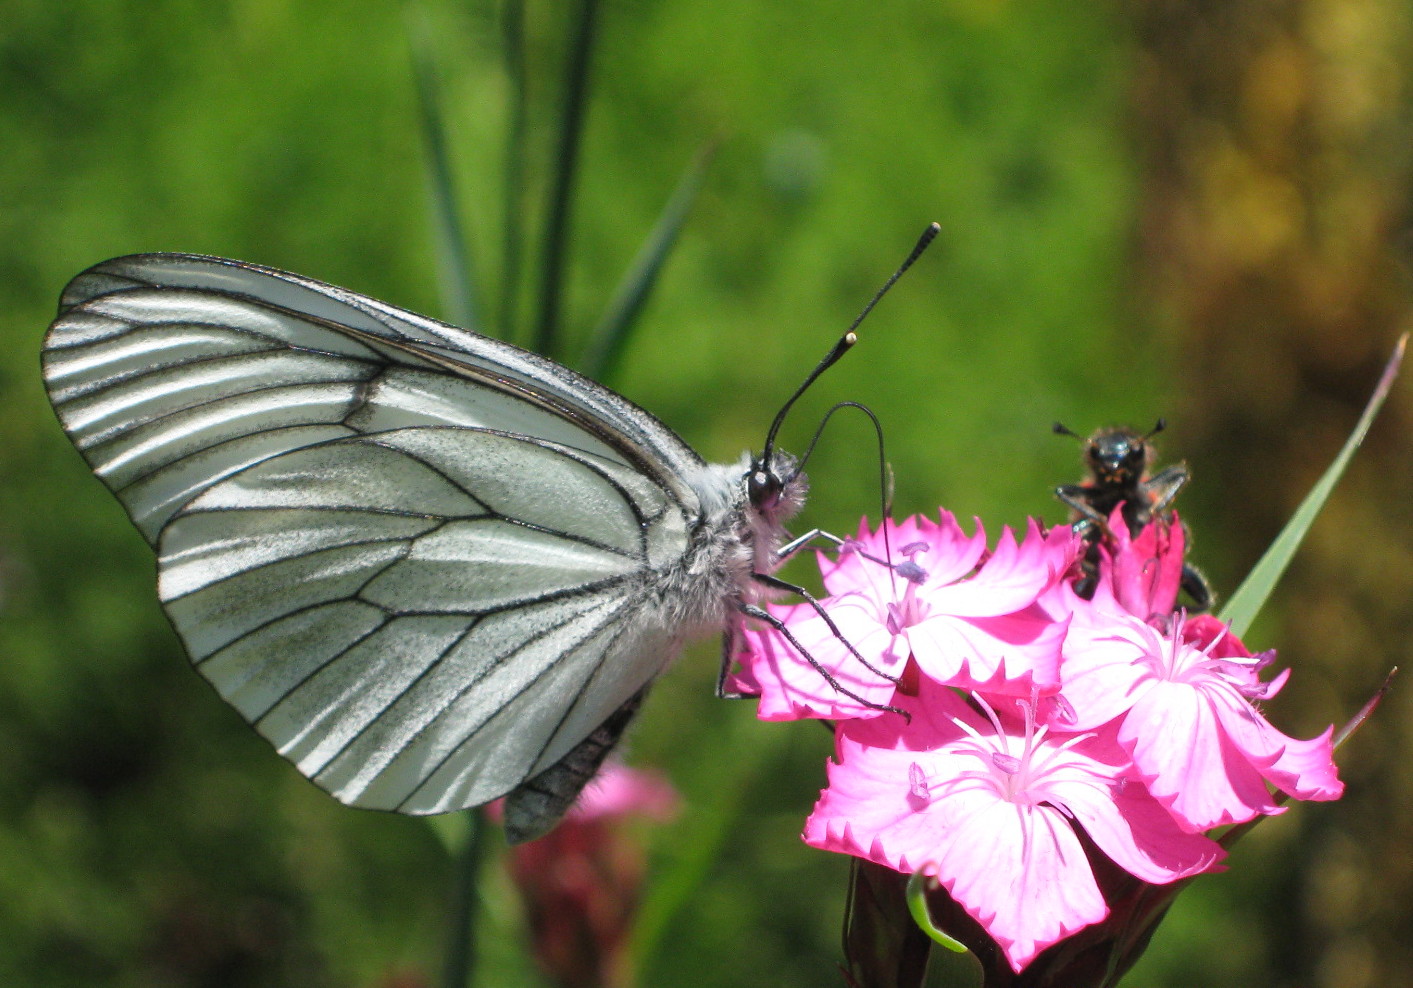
(885, 493)
(846, 341)
(878, 431)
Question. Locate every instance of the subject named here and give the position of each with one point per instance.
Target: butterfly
(429, 567)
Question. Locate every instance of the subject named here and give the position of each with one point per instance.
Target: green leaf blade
(1244, 605)
(454, 268)
(610, 337)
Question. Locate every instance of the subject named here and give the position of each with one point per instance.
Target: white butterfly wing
(419, 561)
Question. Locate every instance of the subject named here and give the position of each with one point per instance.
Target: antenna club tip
(850, 338)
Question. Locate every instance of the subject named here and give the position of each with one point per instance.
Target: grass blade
(1241, 610)
(512, 227)
(610, 336)
(453, 256)
(556, 236)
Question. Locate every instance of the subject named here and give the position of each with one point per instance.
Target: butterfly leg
(761, 614)
(729, 640)
(775, 583)
(800, 541)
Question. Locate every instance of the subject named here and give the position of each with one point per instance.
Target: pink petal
(1136, 832)
(1307, 770)
(1020, 872)
(1304, 769)
(953, 553)
(1214, 637)
(1014, 654)
(1188, 762)
(1101, 671)
(1147, 571)
(931, 724)
(1010, 580)
(949, 555)
(870, 810)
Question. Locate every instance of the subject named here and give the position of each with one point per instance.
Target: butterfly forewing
(196, 307)
(420, 562)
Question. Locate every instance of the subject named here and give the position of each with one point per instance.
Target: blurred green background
(1198, 210)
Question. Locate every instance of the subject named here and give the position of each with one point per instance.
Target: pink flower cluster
(986, 713)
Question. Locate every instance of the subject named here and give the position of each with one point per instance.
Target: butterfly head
(775, 486)
(774, 489)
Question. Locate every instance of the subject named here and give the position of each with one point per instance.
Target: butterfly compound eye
(763, 487)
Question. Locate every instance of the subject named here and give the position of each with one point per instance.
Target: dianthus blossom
(994, 728)
(967, 618)
(582, 882)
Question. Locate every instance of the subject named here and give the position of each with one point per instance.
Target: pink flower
(990, 810)
(1149, 734)
(581, 882)
(620, 791)
(1184, 714)
(1145, 573)
(923, 590)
